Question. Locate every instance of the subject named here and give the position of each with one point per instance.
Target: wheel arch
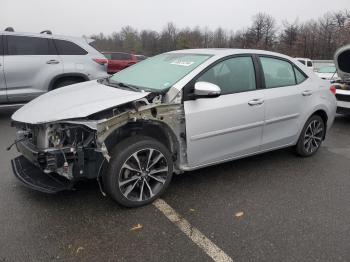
(157, 130)
(64, 76)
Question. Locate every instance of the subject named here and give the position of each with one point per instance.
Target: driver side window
(233, 75)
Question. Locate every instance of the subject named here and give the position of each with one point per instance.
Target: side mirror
(206, 90)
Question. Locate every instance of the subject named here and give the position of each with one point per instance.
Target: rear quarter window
(299, 76)
(68, 48)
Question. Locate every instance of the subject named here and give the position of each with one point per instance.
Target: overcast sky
(86, 17)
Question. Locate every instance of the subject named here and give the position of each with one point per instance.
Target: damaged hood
(75, 101)
(342, 62)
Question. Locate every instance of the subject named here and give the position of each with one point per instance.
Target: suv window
(277, 72)
(25, 45)
(309, 63)
(68, 48)
(233, 75)
(302, 61)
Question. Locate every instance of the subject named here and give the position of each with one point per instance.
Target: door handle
(256, 102)
(307, 93)
(52, 62)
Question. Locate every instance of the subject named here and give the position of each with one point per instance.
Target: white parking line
(193, 233)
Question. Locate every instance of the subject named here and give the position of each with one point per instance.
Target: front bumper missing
(33, 177)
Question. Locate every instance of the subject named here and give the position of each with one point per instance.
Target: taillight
(100, 61)
(333, 89)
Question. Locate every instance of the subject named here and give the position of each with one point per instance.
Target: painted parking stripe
(193, 233)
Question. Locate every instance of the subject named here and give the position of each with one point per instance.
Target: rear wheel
(311, 137)
(139, 171)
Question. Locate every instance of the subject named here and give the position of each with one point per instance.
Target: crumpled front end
(54, 156)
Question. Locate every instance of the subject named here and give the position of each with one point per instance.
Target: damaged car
(175, 112)
(342, 84)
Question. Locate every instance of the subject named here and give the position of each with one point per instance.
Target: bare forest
(315, 39)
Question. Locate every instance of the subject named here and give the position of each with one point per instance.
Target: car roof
(229, 51)
(45, 35)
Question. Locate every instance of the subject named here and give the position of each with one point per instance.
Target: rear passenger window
(121, 56)
(24, 45)
(309, 63)
(278, 73)
(300, 77)
(233, 75)
(68, 48)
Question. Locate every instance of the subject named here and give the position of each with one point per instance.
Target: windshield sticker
(182, 63)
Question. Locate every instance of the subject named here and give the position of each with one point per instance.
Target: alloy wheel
(313, 136)
(143, 174)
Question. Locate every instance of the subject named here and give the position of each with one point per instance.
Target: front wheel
(311, 137)
(139, 171)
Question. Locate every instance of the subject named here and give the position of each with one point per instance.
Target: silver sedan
(171, 113)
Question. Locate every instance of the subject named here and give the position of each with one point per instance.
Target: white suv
(32, 64)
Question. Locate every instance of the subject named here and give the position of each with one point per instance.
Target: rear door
(286, 99)
(30, 64)
(3, 97)
(230, 125)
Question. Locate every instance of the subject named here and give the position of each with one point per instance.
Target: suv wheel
(311, 137)
(139, 171)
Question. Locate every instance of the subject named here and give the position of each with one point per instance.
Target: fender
(85, 77)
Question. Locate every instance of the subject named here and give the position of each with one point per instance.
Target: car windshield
(327, 69)
(160, 72)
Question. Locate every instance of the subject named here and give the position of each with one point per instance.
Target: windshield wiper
(119, 84)
(133, 88)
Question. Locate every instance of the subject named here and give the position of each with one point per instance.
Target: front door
(230, 125)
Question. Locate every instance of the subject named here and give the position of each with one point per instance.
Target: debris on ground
(239, 214)
(79, 249)
(136, 227)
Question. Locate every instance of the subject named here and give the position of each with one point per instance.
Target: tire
(65, 83)
(311, 136)
(134, 185)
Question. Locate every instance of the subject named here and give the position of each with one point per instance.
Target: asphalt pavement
(271, 207)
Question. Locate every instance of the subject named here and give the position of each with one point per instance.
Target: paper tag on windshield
(182, 63)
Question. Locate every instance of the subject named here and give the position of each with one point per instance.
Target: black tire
(118, 171)
(66, 82)
(311, 136)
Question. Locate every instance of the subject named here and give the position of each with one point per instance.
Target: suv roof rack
(46, 32)
(9, 29)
